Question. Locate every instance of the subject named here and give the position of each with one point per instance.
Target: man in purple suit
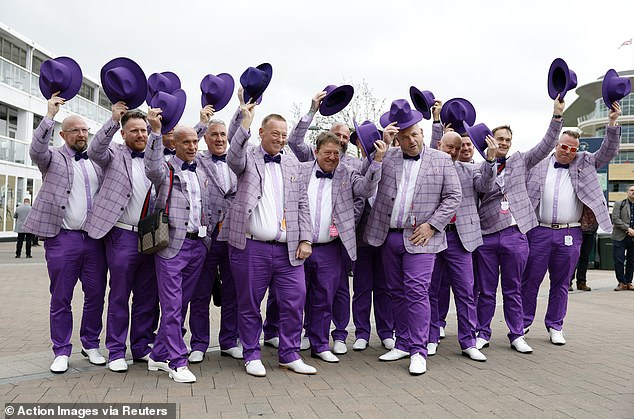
(115, 216)
(418, 194)
(59, 215)
(169, 149)
(223, 188)
(179, 265)
(269, 239)
(506, 215)
(561, 188)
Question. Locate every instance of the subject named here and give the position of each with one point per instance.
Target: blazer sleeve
(545, 146)
(365, 186)
(609, 147)
(39, 149)
(302, 151)
(98, 149)
(237, 155)
(155, 166)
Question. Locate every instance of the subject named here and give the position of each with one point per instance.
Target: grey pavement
(592, 376)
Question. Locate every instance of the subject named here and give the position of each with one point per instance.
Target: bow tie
(82, 155)
(501, 160)
(167, 151)
(321, 174)
(275, 159)
(408, 157)
(190, 167)
(215, 158)
(135, 154)
(561, 165)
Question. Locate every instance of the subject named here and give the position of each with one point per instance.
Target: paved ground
(592, 376)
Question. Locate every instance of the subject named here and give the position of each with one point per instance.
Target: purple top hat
(478, 134)
(216, 90)
(336, 99)
(560, 79)
(172, 105)
(365, 136)
(422, 100)
(456, 111)
(123, 80)
(255, 81)
(614, 87)
(161, 82)
(401, 113)
(61, 74)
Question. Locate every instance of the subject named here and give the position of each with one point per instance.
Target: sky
(494, 53)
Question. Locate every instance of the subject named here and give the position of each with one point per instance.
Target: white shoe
(339, 347)
(255, 368)
(325, 356)
(60, 364)
(304, 344)
(474, 354)
(417, 365)
(431, 348)
(388, 343)
(274, 342)
(557, 336)
(235, 352)
(196, 357)
(94, 356)
(118, 365)
(359, 345)
(153, 365)
(393, 355)
(521, 346)
(299, 367)
(182, 375)
(481, 343)
(442, 332)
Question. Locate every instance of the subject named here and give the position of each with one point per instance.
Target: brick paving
(592, 376)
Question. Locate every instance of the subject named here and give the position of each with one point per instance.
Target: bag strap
(146, 203)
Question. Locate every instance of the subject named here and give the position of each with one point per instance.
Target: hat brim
(174, 79)
(558, 68)
(141, 93)
(477, 140)
(608, 96)
(226, 96)
(336, 100)
(420, 101)
(75, 80)
(257, 93)
(415, 117)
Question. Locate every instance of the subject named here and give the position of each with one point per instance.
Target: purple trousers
(72, 255)
(368, 285)
(255, 268)
(454, 266)
(341, 304)
(130, 272)
(408, 280)
(177, 279)
(548, 252)
(443, 300)
(217, 258)
(503, 254)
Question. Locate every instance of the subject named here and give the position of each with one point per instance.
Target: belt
(451, 227)
(396, 230)
(192, 236)
(327, 243)
(250, 236)
(126, 226)
(556, 226)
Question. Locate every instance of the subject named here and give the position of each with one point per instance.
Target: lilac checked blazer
(583, 174)
(247, 162)
(516, 173)
(347, 184)
(116, 189)
(49, 208)
(157, 171)
(436, 199)
(221, 199)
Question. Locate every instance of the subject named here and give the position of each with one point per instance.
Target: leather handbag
(154, 228)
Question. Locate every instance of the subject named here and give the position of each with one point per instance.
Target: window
(86, 91)
(13, 53)
(104, 102)
(36, 64)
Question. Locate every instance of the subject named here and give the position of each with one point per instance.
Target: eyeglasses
(78, 130)
(566, 147)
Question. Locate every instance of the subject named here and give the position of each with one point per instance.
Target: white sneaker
(388, 343)
(556, 336)
(235, 352)
(182, 375)
(442, 332)
(393, 355)
(474, 354)
(339, 347)
(431, 348)
(94, 356)
(118, 365)
(359, 345)
(299, 367)
(304, 344)
(325, 356)
(255, 368)
(60, 364)
(153, 365)
(481, 343)
(274, 342)
(417, 365)
(196, 357)
(521, 346)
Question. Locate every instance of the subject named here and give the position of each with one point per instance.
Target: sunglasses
(565, 147)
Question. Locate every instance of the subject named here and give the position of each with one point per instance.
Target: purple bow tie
(275, 159)
(82, 155)
(215, 158)
(190, 167)
(321, 174)
(561, 165)
(167, 151)
(408, 157)
(135, 154)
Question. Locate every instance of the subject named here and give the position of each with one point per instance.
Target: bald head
(342, 132)
(450, 143)
(186, 143)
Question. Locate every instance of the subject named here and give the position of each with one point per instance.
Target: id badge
(412, 220)
(568, 240)
(202, 231)
(333, 230)
(504, 207)
(283, 224)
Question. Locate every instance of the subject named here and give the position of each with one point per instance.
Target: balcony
(12, 150)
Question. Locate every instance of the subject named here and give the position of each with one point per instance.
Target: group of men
(409, 220)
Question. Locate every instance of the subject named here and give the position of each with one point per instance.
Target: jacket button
(259, 197)
(128, 195)
(187, 208)
(185, 222)
(122, 209)
(249, 211)
(219, 212)
(63, 207)
(67, 191)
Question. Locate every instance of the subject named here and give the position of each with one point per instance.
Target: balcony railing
(13, 150)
